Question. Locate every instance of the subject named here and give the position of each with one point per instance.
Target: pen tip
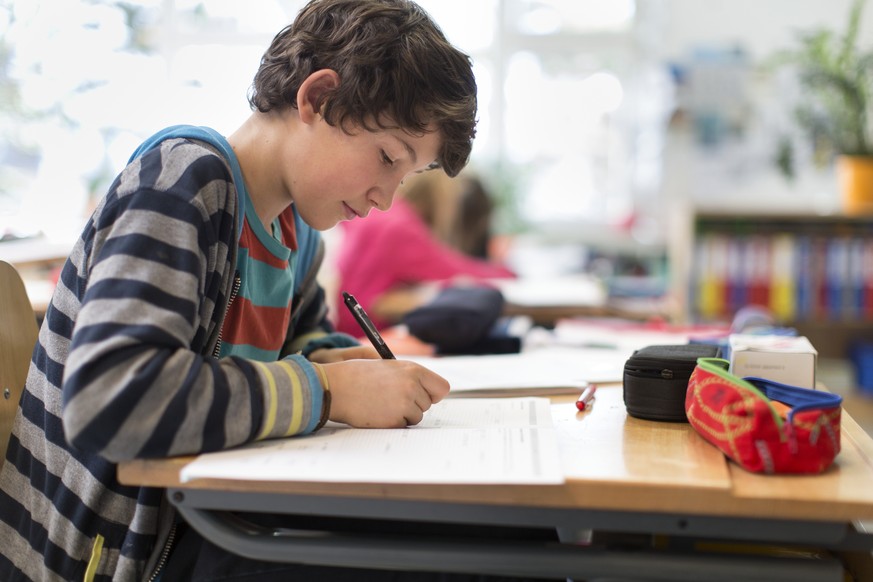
(346, 295)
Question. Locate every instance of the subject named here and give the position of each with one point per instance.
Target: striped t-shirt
(257, 321)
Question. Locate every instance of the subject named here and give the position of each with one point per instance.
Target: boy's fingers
(435, 385)
(414, 417)
(423, 401)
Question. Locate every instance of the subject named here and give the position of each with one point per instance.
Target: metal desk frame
(575, 557)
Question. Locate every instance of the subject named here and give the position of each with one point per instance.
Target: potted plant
(837, 78)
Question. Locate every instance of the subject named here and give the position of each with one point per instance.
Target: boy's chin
(320, 223)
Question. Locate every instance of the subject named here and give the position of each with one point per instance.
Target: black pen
(369, 329)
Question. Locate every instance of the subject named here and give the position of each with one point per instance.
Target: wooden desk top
(616, 462)
(393, 305)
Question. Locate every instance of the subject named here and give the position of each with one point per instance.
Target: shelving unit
(814, 272)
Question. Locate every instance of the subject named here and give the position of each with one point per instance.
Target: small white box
(787, 359)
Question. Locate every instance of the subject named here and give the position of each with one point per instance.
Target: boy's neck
(256, 144)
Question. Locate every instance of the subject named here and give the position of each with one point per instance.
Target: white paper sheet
(480, 441)
(548, 371)
(580, 290)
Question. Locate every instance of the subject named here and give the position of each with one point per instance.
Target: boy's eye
(387, 160)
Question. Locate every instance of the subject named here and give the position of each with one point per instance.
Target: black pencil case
(655, 380)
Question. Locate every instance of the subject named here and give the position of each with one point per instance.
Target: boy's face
(345, 176)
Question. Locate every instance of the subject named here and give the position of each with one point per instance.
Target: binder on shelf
(759, 269)
(819, 273)
(783, 277)
(805, 279)
(867, 272)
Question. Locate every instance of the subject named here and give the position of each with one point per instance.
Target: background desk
(624, 475)
(570, 297)
(36, 260)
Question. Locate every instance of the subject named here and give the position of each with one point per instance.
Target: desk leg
(859, 562)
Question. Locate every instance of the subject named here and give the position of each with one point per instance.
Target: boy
(179, 327)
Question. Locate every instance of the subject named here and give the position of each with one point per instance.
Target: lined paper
(470, 441)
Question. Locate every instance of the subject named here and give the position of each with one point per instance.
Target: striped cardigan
(123, 369)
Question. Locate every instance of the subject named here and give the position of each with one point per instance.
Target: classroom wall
(762, 26)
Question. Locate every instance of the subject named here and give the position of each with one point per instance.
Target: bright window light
(92, 78)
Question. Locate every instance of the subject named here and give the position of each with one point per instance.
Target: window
(572, 106)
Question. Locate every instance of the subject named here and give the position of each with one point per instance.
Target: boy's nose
(381, 198)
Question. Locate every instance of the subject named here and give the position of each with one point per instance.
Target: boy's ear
(310, 96)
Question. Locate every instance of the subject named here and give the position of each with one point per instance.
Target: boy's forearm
(219, 404)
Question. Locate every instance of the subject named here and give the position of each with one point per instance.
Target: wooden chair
(18, 332)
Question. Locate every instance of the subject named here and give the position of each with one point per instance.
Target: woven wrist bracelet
(325, 397)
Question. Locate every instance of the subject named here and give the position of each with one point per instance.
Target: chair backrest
(18, 331)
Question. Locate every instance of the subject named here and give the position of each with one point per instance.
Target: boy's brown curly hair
(394, 64)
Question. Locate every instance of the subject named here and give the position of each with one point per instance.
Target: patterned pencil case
(762, 425)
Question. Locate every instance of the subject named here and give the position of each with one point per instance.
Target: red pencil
(586, 397)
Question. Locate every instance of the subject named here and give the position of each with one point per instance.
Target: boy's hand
(383, 393)
(333, 355)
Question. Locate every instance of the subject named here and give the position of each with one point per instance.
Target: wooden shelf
(813, 271)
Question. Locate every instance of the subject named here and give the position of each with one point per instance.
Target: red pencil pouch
(762, 425)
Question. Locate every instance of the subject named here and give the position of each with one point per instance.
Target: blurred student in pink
(402, 249)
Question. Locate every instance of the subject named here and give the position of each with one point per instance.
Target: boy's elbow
(87, 430)
(91, 443)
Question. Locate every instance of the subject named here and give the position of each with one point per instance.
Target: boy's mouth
(349, 212)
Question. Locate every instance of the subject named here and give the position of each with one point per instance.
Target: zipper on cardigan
(234, 291)
(165, 553)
